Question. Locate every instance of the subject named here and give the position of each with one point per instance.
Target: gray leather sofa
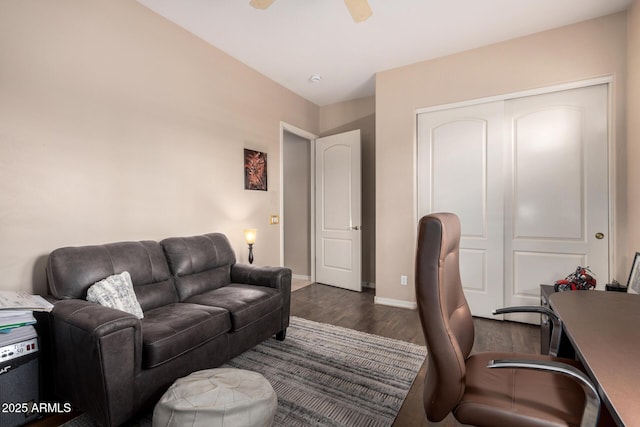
(200, 308)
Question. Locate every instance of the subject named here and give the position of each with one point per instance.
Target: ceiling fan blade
(359, 9)
(261, 4)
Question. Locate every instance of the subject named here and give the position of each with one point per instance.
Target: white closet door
(460, 170)
(557, 209)
(528, 178)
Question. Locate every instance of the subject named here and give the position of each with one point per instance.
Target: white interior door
(557, 211)
(460, 158)
(338, 211)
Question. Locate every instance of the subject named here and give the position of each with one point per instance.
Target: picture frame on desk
(633, 284)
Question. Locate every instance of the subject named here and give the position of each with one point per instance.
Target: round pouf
(222, 397)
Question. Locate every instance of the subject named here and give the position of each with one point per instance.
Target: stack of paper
(16, 309)
(11, 319)
(17, 335)
(11, 300)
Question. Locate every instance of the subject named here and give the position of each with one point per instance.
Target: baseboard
(396, 303)
(367, 285)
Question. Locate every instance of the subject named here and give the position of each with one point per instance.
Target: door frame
(611, 145)
(312, 191)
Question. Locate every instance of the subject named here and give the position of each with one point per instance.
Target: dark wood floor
(357, 311)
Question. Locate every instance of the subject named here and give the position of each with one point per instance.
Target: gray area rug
(325, 375)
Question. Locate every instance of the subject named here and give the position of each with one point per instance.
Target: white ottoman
(216, 398)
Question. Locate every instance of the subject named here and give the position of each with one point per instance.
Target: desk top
(604, 328)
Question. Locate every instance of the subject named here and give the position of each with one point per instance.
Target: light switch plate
(274, 219)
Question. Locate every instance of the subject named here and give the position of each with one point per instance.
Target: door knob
(355, 227)
(599, 236)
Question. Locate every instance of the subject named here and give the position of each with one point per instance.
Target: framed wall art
(255, 170)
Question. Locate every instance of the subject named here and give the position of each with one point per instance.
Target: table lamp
(250, 238)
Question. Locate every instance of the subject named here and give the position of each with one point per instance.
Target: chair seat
(518, 397)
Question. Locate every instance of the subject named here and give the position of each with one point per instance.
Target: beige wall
(633, 130)
(343, 117)
(578, 52)
(115, 124)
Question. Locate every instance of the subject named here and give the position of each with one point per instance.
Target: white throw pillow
(116, 292)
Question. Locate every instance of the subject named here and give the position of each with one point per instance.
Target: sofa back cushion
(199, 263)
(72, 270)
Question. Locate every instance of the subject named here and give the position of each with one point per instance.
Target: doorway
(297, 216)
(312, 235)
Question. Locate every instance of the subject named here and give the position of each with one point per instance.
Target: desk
(604, 328)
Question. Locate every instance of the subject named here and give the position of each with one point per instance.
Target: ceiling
(295, 39)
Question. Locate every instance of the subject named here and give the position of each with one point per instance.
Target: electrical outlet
(403, 280)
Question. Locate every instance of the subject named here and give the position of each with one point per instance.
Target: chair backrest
(444, 313)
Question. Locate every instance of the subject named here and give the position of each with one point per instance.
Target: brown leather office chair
(530, 390)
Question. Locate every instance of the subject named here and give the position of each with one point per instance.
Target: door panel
(548, 175)
(460, 171)
(473, 270)
(560, 197)
(338, 211)
(459, 182)
(531, 269)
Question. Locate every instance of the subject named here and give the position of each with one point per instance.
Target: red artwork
(255, 170)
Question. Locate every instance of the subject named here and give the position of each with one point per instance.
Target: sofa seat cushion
(174, 329)
(245, 303)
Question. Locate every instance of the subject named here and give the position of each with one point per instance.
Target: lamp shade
(250, 235)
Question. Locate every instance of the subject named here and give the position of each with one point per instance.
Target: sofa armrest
(92, 318)
(273, 277)
(97, 355)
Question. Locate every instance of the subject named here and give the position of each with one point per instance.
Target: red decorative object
(581, 279)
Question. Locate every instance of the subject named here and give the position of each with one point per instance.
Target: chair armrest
(528, 309)
(97, 355)
(554, 345)
(591, 410)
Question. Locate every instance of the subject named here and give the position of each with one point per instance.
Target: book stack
(16, 314)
